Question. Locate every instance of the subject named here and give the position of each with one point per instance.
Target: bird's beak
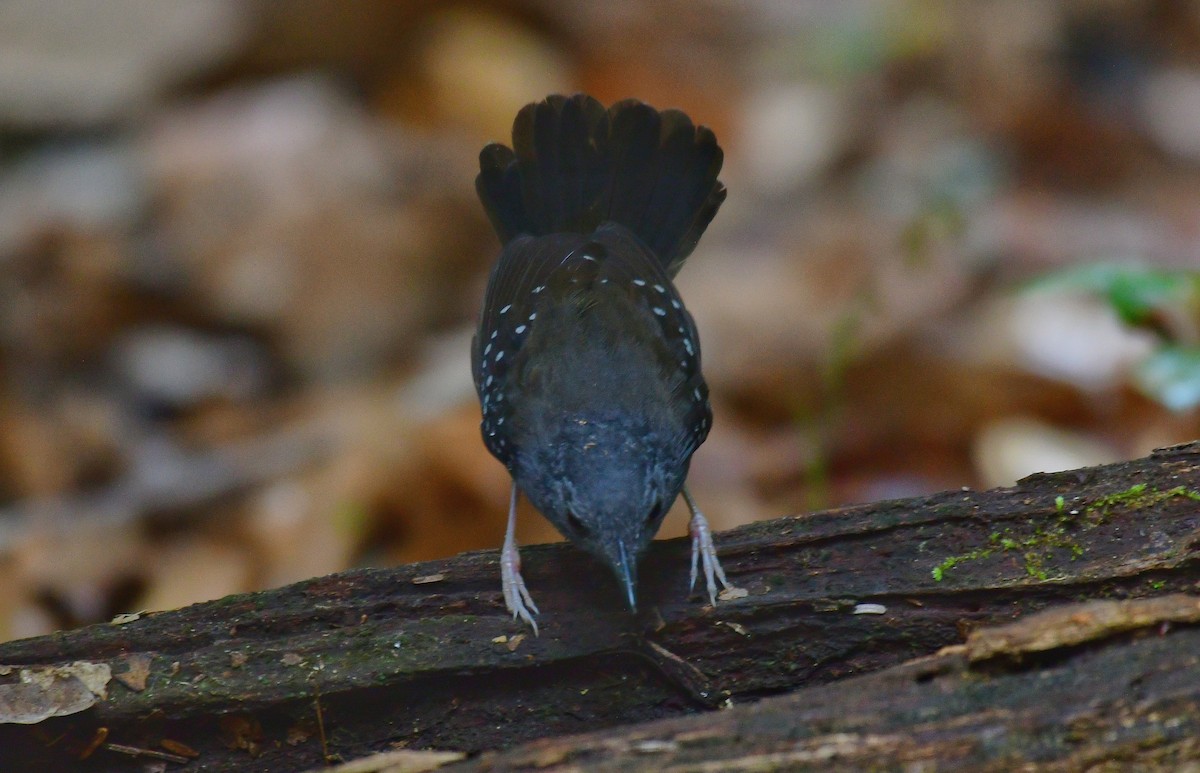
(626, 575)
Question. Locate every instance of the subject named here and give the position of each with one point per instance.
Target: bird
(586, 362)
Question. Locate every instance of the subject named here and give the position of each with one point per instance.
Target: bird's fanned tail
(575, 165)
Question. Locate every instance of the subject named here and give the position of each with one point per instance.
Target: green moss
(1137, 496)
(1038, 547)
(940, 570)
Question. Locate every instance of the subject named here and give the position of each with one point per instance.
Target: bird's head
(605, 483)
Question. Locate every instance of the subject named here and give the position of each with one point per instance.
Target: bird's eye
(576, 524)
(654, 512)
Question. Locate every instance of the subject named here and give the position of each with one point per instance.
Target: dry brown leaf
(297, 735)
(99, 737)
(139, 670)
(178, 747)
(241, 731)
(54, 691)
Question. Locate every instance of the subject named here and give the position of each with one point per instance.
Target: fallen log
(1102, 685)
(425, 656)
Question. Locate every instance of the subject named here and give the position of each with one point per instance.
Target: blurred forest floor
(241, 258)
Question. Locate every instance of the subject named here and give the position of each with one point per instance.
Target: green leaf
(1134, 292)
(1171, 376)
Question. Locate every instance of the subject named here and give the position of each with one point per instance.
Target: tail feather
(687, 194)
(699, 210)
(633, 145)
(499, 188)
(576, 165)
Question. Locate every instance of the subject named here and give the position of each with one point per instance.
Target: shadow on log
(425, 656)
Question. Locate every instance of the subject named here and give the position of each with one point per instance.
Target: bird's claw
(703, 550)
(516, 595)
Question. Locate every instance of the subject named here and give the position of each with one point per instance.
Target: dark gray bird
(586, 362)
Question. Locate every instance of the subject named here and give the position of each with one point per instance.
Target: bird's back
(597, 210)
(600, 345)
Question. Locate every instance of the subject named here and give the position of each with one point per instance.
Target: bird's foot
(516, 595)
(704, 552)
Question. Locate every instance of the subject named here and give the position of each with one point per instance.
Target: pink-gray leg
(516, 597)
(704, 550)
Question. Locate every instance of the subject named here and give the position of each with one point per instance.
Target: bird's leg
(516, 597)
(703, 548)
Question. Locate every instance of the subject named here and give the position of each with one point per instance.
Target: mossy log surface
(425, 656)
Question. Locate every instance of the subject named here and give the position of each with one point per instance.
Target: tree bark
(425, 656)
(1102, 685)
